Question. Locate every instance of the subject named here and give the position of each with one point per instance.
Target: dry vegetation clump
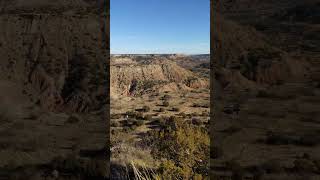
(159, 121)
(115, 124)
(165, 97)
(200, 105)
(196, 121)
(135, 114)
(175, 109)
(182, 114)
(138, 123)
(127, 155)
(147, 117)
(183, 148)
(115, 116)
(165, 103)
(139, 116)
(145, 108)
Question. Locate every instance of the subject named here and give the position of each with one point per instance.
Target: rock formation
(131, 77)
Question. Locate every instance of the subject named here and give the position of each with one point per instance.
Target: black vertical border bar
(105, 30)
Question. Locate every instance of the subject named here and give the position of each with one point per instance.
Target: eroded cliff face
(133, 78)
(58, 57)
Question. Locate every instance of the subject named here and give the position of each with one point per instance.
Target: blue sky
(160, 26)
